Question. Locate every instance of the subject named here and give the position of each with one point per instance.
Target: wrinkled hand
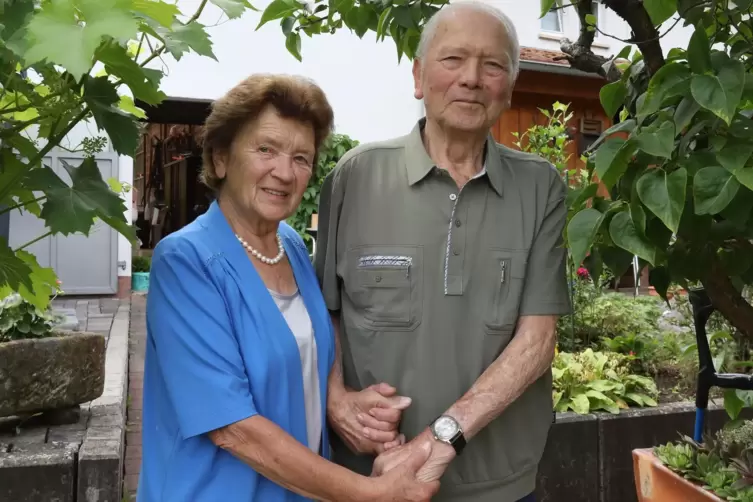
(401, 483)
(367, 420)
(441, 456)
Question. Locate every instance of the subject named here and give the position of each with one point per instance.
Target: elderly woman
(239, 341)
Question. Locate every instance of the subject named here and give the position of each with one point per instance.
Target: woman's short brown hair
(293, 97)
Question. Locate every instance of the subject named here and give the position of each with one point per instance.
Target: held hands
(401, 484)
(434, 467)
(367, 420)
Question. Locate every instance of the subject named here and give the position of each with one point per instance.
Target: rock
(51, 373)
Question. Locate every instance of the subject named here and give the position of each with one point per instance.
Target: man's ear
(220, 161)
(417, 91)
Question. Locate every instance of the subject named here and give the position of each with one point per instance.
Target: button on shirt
(430, 280)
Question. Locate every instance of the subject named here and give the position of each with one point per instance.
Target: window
(595, 11)
(552, 20)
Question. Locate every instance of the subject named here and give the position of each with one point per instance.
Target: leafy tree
(677, 164)
(63, 62)
(329, 154)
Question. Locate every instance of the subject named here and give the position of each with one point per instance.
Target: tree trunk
(728, 300)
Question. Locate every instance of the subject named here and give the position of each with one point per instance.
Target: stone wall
(82, 460)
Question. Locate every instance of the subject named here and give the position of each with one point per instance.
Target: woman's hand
(367, 420)
(434, 467)
(400, 484)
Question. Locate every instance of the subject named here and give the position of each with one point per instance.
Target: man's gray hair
(513, 44)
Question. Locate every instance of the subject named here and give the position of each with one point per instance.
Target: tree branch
(644, 33)
(579, 54)
(727, 299)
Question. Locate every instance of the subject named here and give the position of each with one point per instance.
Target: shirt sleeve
(546, 289)
(194, 345)
(331, 199)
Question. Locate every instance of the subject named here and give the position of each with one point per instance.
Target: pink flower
(583, 272)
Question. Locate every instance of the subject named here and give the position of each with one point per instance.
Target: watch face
(445, 428)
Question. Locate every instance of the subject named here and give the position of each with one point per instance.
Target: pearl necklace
(261, 257)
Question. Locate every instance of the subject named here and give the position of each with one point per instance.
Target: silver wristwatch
(447, 430)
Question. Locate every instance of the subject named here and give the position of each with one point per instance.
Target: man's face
(465, 75)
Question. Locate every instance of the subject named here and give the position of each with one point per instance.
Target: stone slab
(100, 467)
(569, 468)
(51, 373)
(39, 473)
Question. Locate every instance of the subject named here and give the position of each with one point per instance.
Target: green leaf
(57, 36)
(100, 95)
(612, 97)
(659, 278)
(732, 78)
(624, 234)
(660, 10)
(624, 126)
(580, 404)
(277, 9)
(612, 159)
(293, 44)
(699, 54)
(638, 215)
(662, 85)
(233, 8)
(658, 142)
(162, 12)
(713, 189)
(14, 272)
(664, 194)
(119, 64)
(43, 282)
(734, 155)
(72, 209)
(708, 92)
(383, 22)
(684, 114)
(546, 6)
(745, 177)
(581, 232)
(187, 37)
(733, 405)
(127, 105)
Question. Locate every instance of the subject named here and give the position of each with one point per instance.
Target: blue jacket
(219, 351)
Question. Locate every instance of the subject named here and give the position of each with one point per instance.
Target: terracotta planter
(654, 482)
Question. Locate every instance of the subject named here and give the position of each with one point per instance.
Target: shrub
(20, 319)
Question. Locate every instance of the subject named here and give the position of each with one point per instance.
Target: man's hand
(367, 420)
(441, 456)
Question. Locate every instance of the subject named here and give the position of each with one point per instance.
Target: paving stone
(38, 473)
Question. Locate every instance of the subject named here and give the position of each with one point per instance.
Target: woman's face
(268, 166)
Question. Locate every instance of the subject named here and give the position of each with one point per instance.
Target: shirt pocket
(385, 287)
(505, 277)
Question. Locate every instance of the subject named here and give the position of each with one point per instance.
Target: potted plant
(140, 273)
(44, 368)
(720, 468)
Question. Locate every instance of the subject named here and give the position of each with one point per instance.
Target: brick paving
(137, 343)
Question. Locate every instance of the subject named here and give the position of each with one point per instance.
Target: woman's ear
(220, 161)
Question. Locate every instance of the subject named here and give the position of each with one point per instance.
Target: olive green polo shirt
(430, 280)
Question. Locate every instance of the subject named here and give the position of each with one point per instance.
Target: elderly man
(441, 260)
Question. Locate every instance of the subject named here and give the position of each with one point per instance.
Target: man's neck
(459, 153)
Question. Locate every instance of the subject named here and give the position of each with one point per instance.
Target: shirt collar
(418, 163)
